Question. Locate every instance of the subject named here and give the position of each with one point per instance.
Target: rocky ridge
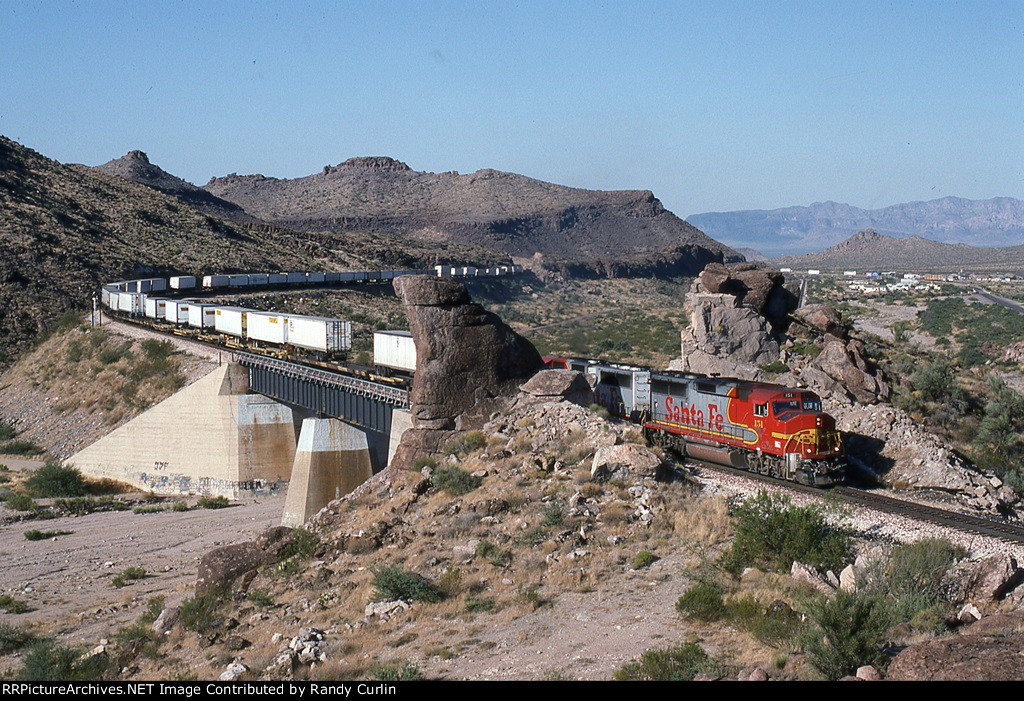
(736, 332)
(582, 231)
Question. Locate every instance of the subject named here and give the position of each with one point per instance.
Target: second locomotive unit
(758, 426)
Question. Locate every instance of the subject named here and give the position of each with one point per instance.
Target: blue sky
(712, 105)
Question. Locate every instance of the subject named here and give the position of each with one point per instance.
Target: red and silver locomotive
(758, 426)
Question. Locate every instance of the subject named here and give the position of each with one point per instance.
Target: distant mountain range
(869, 250)
(800, 230)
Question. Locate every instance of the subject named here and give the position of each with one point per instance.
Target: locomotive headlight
(817, 421)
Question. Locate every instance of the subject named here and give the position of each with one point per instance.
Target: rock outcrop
(467, 359)
(555, 385)
(963, 657)
(221, 567)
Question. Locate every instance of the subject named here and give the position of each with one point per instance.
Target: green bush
(13, 638)
(552, 513)
(454, 480)
(11, 605)
(493, 554)
(914, 576)
(405, 672)
(424, 461)
(679, 663)
(21, 502)
(7, 431)
(848, 631)
(26, 448)
(466, 443)
(644, 559)
(127, 576)
(702, 602)
(775, 626)
(218, 502)
(45, 660)
(391, 582)
(260, 598)
(35, 534)
(179, 505)
(56, 480)
(772, 533)
(202, 613)
(479, 604)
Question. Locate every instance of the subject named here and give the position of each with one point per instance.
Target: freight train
(157, 302)
(757, 426)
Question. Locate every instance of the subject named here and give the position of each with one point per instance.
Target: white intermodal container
(394, 349)
(267, 327)
(130, 303)
(183, 282)
(211, 281)
(202, 316)
(176, 311)
(231, 320)
(319, 333)
(155, 307)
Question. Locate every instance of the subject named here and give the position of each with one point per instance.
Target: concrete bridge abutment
(331, 459)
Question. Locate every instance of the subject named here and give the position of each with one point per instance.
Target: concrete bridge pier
(331, 459)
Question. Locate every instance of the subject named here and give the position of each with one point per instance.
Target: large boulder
(753, 285)
(844, 362)
(720, 326)
(627, 461)
(466, 358)
(556, 385)
(962, 658)
(221, 567)
(822, 319)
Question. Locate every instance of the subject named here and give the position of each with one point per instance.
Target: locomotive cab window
(788, 405)
(812, 405)
(761, 409)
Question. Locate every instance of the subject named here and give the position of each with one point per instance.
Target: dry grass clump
(704, 520)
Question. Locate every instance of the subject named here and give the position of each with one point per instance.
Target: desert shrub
(45, 660)
(552, 513)
(529, 597)
(179, 505)
(13, 638)
(127, 576)
(393, 672)
(218, 502)
(644, 559)
(811, 350)
(21, 502)
(147, 509)
(7, 431)
(260, 598)
(776, 367)
(154, 607)
(138, 638)
(702, 602)
(914, 576)
(772, 533)
(775, 625)
(479, 604)
(466, 443)
(301, 545)
(450, 583)
(56, 480)
(848, 631)
(202, 613)
(600, 411)
(454, 480)
(493, 554)
(679, 663)
(113, 354)
(391, 582)
(155, 350)
(20, 447)
(35, 534)
(11, 605)
(424, 461)
(79, 506)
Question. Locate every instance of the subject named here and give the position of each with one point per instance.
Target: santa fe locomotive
(766, 428)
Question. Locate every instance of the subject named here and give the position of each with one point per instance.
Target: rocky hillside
(797, 230)
(135, 166)
(510, 213)
(64, 229)
(871, 250)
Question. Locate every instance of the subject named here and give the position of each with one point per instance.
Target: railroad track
(860, 497)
